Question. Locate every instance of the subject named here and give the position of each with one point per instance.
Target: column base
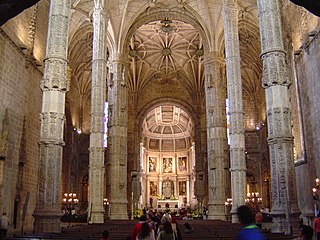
(47, 221)
(234, 215)
(217, 212)
(97, 216)
(279, 222)
(118, 210)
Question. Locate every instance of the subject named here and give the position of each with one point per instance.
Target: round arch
(165, 101)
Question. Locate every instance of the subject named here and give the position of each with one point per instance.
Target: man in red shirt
(316, 226)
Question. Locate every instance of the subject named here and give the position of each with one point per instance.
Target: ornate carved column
(54, 87)
(98, 98)
(117, 98)
(276, 82)
(217, 135)
(234, 86)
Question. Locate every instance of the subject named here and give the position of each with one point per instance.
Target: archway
(167, 158)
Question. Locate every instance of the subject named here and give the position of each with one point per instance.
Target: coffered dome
(167, 128)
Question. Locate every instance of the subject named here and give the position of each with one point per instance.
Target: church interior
(112, 106)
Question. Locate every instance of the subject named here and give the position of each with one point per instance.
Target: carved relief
(182, 188)
(167, 188)
(153, 189)
(152, 164)
(167, 165)
(182, 163)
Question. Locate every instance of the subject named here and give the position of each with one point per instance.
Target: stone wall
(21, 95)
(22, 46)
(308, 72)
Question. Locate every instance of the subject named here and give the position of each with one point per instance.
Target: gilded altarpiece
(167, 180)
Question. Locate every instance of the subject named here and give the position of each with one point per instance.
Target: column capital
(100, 4)
(213, 57)
(118, 58)
(230, 4)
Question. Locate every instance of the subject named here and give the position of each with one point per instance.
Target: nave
(121, 229)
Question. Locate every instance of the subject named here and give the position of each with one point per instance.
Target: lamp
(253, 199)
(228, 203)
(315, 190)
(69, 201)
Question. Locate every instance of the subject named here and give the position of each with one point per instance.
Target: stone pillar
(160, 186)
(118, 102)
(136, 188)
(98, 98)
(188, 190)
(234, 86)
(54, 87)
(217, 135)
(276, 82)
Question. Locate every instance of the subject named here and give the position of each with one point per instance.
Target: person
(306, 233)
(167, 215)
(316, 226)
(145, 233)
(163, 221)
(137, 228)
(152, 224)
(259, 218)
(188, 228)
(4, 225)
(249, 230)
(167, 232)
(105, 235)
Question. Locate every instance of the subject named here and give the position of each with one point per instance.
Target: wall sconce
(315, 190)
(228, 203)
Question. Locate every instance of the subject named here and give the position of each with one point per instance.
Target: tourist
(306, 233)
(4, 225)
(137, 228)
(105, 235)
(145, 233)
(188, 228)
(151, 223)
(316, 226)
(259, 218)
(167, 232)
(249, 230)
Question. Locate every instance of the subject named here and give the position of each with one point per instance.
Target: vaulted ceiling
(166, 50)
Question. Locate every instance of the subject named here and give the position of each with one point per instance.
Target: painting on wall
(153, 189)
(182, 163)
(152, 164)
(167, 165)
(182, 188)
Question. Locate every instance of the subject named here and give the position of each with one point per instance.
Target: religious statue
(152, 164)
(167, 165)
(167, 188)
(153, 189)
(182, 188)
(182, 164)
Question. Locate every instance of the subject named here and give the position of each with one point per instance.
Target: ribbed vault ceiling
(166, 50)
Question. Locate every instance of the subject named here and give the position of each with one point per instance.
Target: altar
(172, 203)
